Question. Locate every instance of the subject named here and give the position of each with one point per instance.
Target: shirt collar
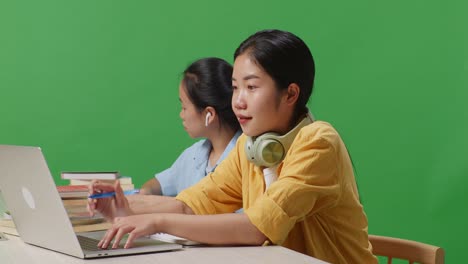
(201, 157)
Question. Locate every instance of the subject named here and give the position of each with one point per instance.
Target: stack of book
(6, 224)
(79, 182)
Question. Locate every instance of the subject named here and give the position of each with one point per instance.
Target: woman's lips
(243, 119)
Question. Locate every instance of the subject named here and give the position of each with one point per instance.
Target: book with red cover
(73, 191)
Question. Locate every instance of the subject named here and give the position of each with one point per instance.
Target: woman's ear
(210, 114)
(292, 95)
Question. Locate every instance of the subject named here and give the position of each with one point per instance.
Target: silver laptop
(31, 196)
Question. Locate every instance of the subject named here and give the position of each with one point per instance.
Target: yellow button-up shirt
(313, 207)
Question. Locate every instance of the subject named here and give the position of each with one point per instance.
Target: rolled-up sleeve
(166, 179)
(186, 170)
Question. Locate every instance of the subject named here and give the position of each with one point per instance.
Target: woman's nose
(238, 100)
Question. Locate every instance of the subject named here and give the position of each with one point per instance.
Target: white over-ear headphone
(270, 148)
(206, 118)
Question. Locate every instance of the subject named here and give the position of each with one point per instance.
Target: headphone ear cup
(269, 152)
(264, 150)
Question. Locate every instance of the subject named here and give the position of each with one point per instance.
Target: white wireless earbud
(206, 118)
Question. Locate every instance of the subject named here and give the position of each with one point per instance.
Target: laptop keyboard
(88, 243)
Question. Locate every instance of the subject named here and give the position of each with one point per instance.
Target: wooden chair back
(413, 251)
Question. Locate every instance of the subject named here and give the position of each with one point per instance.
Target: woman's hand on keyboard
(135, 226)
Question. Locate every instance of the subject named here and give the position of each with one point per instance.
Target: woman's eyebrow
(248, 77)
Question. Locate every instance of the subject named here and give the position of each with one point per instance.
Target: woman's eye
(234, 87)
(250, 87)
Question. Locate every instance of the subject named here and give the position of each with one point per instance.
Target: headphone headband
(270, 148)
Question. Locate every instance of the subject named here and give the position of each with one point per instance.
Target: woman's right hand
(110, 207)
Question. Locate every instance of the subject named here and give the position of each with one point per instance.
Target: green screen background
(95, 84)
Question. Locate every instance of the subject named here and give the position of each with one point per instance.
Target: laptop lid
(31, 196)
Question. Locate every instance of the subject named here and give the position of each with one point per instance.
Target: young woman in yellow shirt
(292, 175)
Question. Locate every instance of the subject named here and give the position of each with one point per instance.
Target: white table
(14, 250)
